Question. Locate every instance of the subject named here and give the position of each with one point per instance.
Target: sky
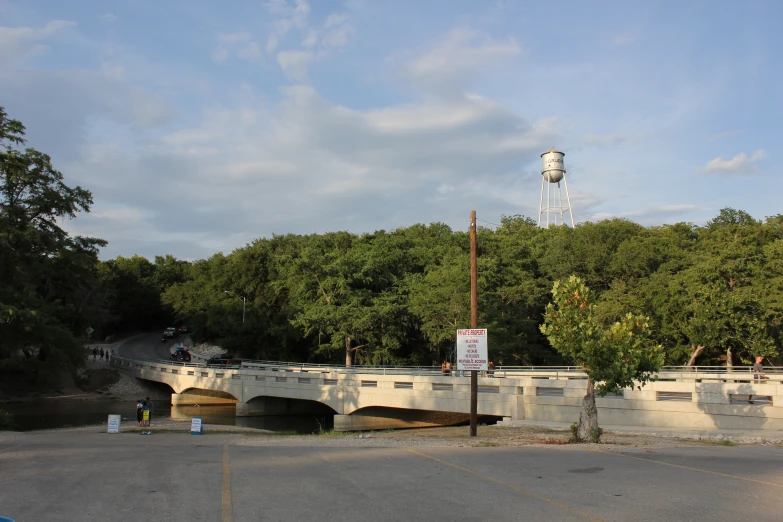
(200, 126)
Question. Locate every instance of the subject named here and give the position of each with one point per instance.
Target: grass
(329, 433)
(550, 440)
(724, 442)
(6, 420)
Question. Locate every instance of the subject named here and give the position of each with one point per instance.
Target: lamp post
(244, 302)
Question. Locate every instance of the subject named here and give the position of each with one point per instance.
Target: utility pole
(473, 324)
(244, 303)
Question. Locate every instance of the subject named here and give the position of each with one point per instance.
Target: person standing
(101, 352)
(150, 406)
(758, 375)
(94, 353)
(139, 410)
(145, 412)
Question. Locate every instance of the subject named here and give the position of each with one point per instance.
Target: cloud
(458, 57)
(311, 40)
(240, 44)
(337, 36)
(334, 20)
(739, 164)
(294, 14)
(219, 54)
(722, 135)
(271, 44)
(603, 140)
(108, 17)
(312, 164)
(19, 43)
(294, 64)
(651, 215)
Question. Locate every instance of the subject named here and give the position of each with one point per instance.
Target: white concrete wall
(515, 397)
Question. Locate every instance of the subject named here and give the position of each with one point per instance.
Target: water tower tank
(552, 166)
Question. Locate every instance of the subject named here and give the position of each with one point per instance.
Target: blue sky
(200, 126)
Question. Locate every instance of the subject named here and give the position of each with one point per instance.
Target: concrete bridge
(371, 398)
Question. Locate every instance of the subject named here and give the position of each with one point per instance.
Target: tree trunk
(347, 352)
(729, 359)
(588, 418)
(695, 352)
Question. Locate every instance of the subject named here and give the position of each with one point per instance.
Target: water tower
(552, 173)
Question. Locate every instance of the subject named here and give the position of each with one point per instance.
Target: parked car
(224, 359)
(181, 354)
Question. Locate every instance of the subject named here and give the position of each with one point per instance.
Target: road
(146, 346)
(79, 475)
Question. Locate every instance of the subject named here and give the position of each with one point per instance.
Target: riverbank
(97, 380)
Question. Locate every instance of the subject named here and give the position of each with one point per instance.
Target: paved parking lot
(94, 476)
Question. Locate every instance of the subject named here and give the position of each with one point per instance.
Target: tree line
(713, 294)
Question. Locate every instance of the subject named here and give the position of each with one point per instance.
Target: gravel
(205, 350)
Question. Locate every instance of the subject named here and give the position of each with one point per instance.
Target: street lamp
(244, 302)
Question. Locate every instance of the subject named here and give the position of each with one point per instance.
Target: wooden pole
(473, 324)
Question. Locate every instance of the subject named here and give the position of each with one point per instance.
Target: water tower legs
(553, 212)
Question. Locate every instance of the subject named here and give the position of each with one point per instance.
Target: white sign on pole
(196, 427)
(114, 424)
(472, 349)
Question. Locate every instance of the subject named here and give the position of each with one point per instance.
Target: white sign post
(196, 427)
(114, 424)
(472, 350)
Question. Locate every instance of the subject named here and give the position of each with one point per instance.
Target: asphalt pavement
(146, 346)
(86, 475)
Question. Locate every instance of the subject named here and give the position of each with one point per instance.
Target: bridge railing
(670, 373)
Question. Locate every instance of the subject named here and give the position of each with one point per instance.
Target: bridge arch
(202, 397)
(273, 405)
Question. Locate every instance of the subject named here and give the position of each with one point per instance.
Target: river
(63, 413)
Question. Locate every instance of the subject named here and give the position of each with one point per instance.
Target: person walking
(94, 353)
(101, 352)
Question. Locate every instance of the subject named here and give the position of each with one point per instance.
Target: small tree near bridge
(614, 357)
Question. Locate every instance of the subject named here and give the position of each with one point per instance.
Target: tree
(721, 320)
(615, 357)
(729, 217)
(47, 277)
(440, 300)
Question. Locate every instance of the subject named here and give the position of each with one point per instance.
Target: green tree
(47, 277)
(614, 357)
